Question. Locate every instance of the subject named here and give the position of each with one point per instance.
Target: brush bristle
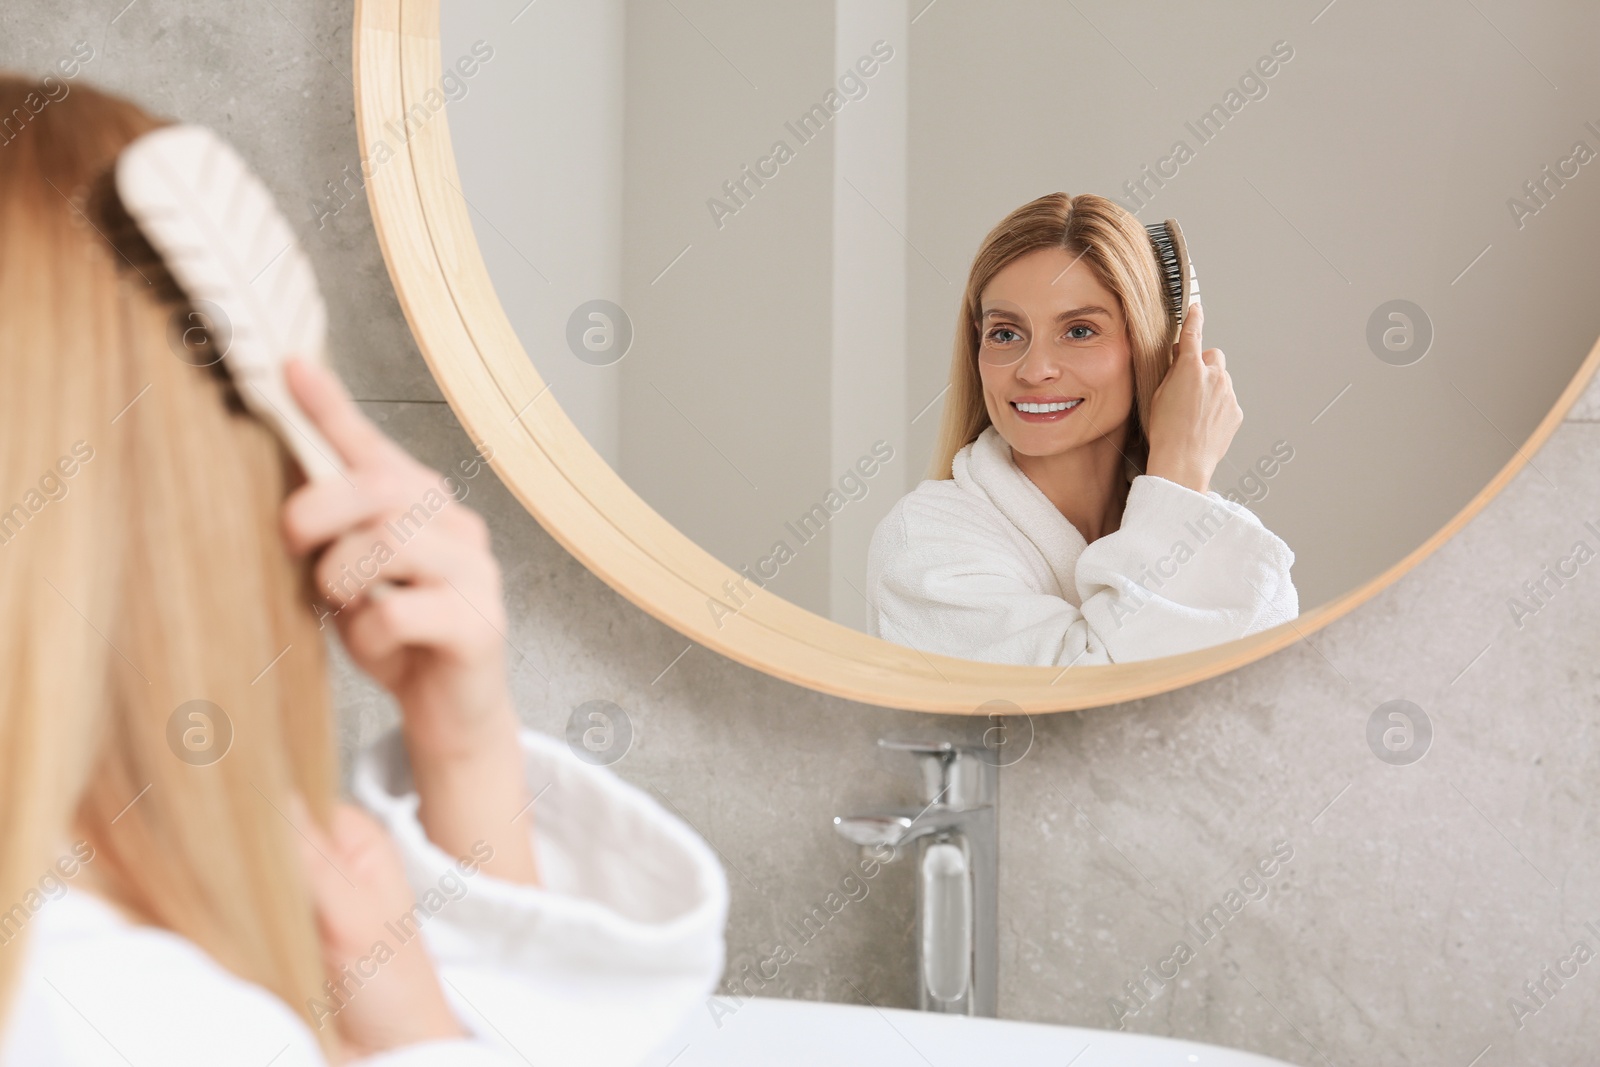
(1171, 269)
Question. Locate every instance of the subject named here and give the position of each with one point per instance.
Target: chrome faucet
(956, 836)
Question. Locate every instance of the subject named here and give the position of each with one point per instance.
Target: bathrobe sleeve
(595, 966)
(1185, 570)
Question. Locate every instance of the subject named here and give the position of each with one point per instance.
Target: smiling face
(1053, 355)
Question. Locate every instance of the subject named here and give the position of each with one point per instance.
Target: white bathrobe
(597, 966)
(984, 567)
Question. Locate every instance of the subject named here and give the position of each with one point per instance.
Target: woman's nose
(1037, 366)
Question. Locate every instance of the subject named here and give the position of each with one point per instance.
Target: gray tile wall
(1417, 899)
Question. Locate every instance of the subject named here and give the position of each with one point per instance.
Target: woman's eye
(1080, 337)
(1004, 335)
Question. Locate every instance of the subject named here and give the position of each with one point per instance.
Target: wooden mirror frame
(490, 382)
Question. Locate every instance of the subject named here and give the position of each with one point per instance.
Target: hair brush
(1177, 271)
(223, 240)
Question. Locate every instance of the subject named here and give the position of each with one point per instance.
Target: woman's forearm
(476, 796)
(1185, 471)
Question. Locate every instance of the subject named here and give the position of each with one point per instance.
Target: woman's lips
(1045, 409)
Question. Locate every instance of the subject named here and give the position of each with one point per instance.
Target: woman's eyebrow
(1087, 309)
(1071, 313)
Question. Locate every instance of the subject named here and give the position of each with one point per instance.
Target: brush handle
(223, 239)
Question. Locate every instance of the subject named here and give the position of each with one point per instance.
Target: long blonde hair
(143, 569)
(1117, 248)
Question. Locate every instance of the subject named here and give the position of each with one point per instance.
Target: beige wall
(546, 263)
(726, 426)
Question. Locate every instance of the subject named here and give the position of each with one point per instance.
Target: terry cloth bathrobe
(597, 966)
(984, 567)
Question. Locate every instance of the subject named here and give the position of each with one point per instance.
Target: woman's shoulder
(97, 987)
(941, 520)
(942, 505)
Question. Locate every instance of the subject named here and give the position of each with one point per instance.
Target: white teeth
(1043, 409)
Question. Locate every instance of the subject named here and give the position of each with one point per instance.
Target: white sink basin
(803, 1033)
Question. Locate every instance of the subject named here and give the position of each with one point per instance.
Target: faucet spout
(898, 827)
(956, 838)
(869, 830)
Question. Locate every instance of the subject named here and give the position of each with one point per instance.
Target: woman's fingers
(1189, 337)
(447, 550)
(408, 494)
(364, 848)
(356, 877)
(316, 512)
(327, 403)
(383, 480)
(399, 1000)
(435, 616)
(405, 496)
(319, 861)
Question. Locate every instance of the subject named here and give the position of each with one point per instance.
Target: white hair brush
(1177, 271)
(226, 244)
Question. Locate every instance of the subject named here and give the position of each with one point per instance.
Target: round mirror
(727, 290)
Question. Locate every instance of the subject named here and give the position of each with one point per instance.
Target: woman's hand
(386, 993)
(1194, 414)
(416, 598)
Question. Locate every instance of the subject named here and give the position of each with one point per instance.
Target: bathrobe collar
(985, 467)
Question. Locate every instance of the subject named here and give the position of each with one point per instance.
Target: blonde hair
(143, 569)
(1118, 249)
